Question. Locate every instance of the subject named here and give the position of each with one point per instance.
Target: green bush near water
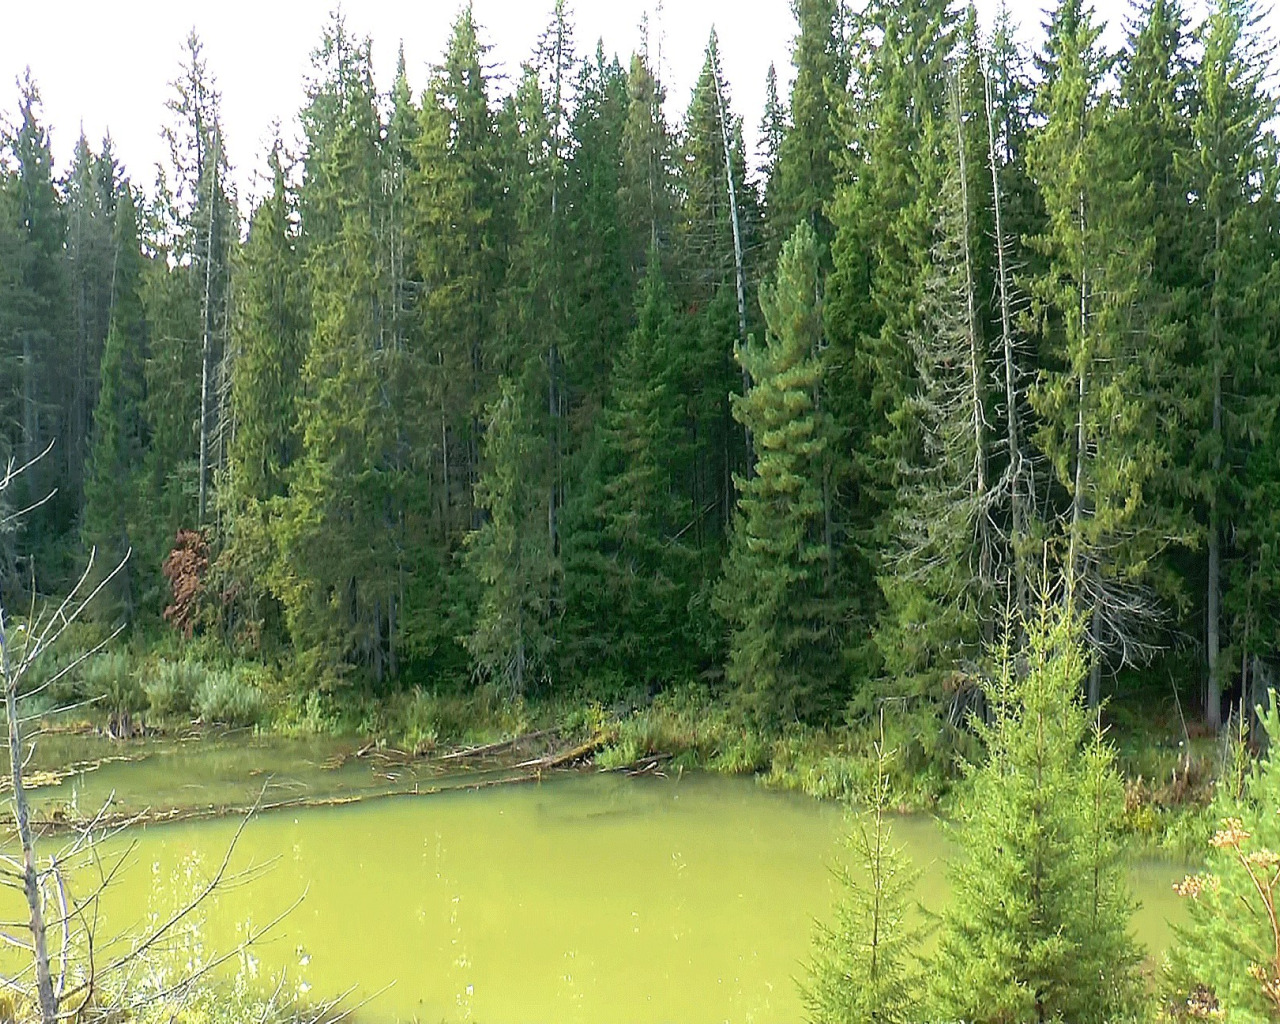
(229, 697)
(172, 687)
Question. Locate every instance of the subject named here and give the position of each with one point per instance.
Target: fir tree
(1037, 925)
(627, 569)
(864, 964)
(119, 429)
(513, 638)
(1234, 391)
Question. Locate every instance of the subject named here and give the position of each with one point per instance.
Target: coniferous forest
(927, 456)
(554, 388)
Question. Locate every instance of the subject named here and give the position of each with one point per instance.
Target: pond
(584, 897)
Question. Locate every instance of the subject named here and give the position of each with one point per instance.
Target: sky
(106, 66)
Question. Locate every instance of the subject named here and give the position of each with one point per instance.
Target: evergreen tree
(38, 311)
(806, 158)
(513, 638)
(627, 568)
(863, 966)
(1234, 390)
(1037, 925)
(1103, 380)
(268, 341)
(780, 594)
(91, 187)
(458, 234)
(339, 586)
(119, 428)
(940, 585)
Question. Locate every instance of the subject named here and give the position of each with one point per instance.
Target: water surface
(587, 897)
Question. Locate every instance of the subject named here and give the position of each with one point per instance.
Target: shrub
(1225, 964)
(228, 697)
(173, 685)
(112, 679)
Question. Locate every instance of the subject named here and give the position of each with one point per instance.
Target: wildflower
(1190, 887)
(1263, 858)
(1232, 835)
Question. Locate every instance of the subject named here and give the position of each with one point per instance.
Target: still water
(586, 897)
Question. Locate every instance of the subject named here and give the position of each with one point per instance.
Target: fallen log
(501, 747)
(566, 757)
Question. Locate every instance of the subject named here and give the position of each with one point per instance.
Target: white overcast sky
(108, 65)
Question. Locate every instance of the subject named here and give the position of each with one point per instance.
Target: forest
(543, 389)
(952, 407)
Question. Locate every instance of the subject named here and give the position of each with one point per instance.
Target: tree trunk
(30, 875)
(1017, 514)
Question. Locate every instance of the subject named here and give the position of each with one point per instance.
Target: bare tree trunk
(30, 875)
(206, 349)
(1017, 513)
(740, 277)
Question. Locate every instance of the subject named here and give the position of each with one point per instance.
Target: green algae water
(585, 897)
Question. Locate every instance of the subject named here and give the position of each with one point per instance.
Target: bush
(1225, 963)
(228, 697)
(112, 679)
(172, 687)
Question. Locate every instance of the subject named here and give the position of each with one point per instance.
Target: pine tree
(780, 594)
(458, 234)
(339, 585)
(1037, 925)
(943, 548)
(719, 228)
(91, 187)
(806, 159)
(38, 307)
(1100, 391)
(267, 337)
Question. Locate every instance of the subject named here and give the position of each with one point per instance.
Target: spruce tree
(1233, 393)
(38, 306)
(513, 637)
(864, 965)
(807, 154)
(119, 430)
(781, 596)
(628, 570)
(1104, 379)
(267, 338)
(1037, 928)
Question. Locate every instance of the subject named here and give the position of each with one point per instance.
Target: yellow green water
(587, 897)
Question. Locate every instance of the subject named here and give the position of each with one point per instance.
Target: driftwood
(567, 757)
(642, 765)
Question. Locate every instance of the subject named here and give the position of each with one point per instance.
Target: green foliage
(1037, 927)
(229, 697)
(780, 594)
(113, 681)
(864, 965)
(511, 556)
(1226, 959)
(172, 686)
